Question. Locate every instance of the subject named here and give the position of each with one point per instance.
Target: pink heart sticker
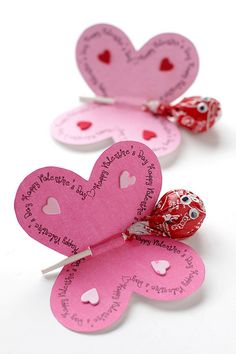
(51, 207)
(126, 180)
(90, 296)
(160, 267)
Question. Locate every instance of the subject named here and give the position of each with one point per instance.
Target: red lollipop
(178, 214)
(196, 114)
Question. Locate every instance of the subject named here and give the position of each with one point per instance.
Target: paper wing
(110, 279)
(91, 124)
(63, 211)
(162, 69)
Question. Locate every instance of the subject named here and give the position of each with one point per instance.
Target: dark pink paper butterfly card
(69, 214)
(141, 83)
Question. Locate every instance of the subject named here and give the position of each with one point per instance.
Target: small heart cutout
(126, 180)
(84, 125)
(148, 134)
(166, 65)
(51, 207)
(105, 57)
(91, 296)
(160, 267)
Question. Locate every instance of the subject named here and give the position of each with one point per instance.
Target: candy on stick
(178, 214)
(196, 114)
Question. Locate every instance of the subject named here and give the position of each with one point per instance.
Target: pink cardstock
(162, 70)
(119, 273)
(63, 211)
(119, 123)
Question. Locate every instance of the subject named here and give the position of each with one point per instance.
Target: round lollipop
(196, 114)
(178, 214)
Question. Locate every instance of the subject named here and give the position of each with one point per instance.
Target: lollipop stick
(134, 102)
(97, 99)
(68, 260)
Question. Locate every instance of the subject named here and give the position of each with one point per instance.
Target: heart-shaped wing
(162, 69)
(91, 124)
(68, 214)
(112, 277)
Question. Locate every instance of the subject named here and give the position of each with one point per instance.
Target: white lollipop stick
(76, 257)
(136, 102)
(97, 99)
(68, 260)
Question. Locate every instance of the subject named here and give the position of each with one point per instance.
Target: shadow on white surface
(197, 242)
(211, 139)
(186, 304)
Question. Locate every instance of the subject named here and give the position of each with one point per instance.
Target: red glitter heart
(148, 134)
(166, 65)
(83, 125)
(105, 57)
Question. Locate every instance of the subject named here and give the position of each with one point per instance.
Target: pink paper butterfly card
(135, 91)
(118, 238)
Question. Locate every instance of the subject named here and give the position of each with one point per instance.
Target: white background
(38, 81)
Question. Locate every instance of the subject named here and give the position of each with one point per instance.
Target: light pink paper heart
(51, 207)
(116, 123)
(90, 296)
(93, 210)
(126, 180)
(161, 266)
(162, 69)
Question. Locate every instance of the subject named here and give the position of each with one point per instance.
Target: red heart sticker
(166, 65)
(148, 134)
(84, 125)
(105, 57)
